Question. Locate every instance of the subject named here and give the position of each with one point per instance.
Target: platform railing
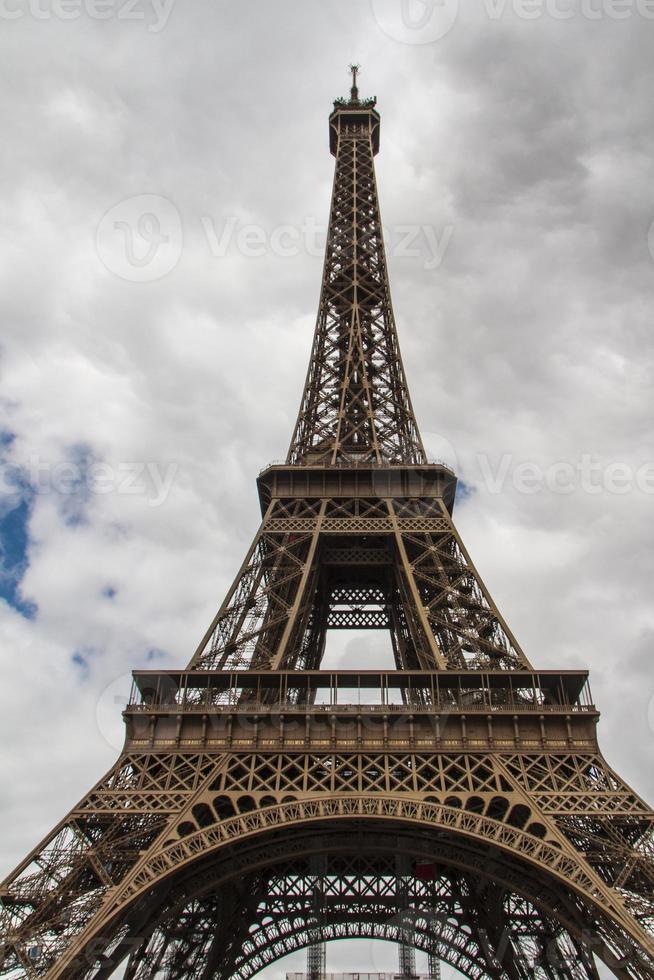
(359, 464)
(291, 707)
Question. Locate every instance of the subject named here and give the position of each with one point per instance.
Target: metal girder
(439, 612)
(356, 403)
(474, 817)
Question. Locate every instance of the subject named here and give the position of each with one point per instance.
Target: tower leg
(316, 961)
(317, 952)
(406, 947)
(434, 967)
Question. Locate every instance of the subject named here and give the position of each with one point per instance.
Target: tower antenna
(354, 91)
(457, 801)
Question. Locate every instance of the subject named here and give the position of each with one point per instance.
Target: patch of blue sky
(463, 491)
(75, 485)
(16, 503)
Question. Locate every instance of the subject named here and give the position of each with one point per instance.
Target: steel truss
(364, 898)
(458, 804)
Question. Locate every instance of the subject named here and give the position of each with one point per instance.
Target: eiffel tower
(457, 804)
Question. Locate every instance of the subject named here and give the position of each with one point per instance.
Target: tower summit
(354, 91)
(457, 802)
(356, 405)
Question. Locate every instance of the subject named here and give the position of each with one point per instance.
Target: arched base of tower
(478, 907)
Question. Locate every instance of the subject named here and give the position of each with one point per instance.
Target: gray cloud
(532, 140)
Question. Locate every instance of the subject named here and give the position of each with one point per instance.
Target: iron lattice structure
(457, 804)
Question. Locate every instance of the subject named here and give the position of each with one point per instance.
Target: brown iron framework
(458, 804)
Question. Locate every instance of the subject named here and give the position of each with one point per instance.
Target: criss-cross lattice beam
(358, 563)
(475, 820)
(356, 402)
(484, 930)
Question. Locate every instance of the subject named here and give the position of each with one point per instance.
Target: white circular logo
(140, 239)
(109, 710)
(440, 449)
(416, 21)
(650, 714)
(650, 239)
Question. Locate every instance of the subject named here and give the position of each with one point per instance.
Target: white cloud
(534, 140)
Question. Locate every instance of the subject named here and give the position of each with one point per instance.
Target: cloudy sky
(165, 184)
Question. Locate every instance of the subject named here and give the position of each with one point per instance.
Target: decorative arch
(470, 964)
(558, 858)
(434, 917)
(207, 860)
(453, 946)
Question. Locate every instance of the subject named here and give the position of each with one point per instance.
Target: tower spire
(354, 91)
(265, 802)
(356, 405)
